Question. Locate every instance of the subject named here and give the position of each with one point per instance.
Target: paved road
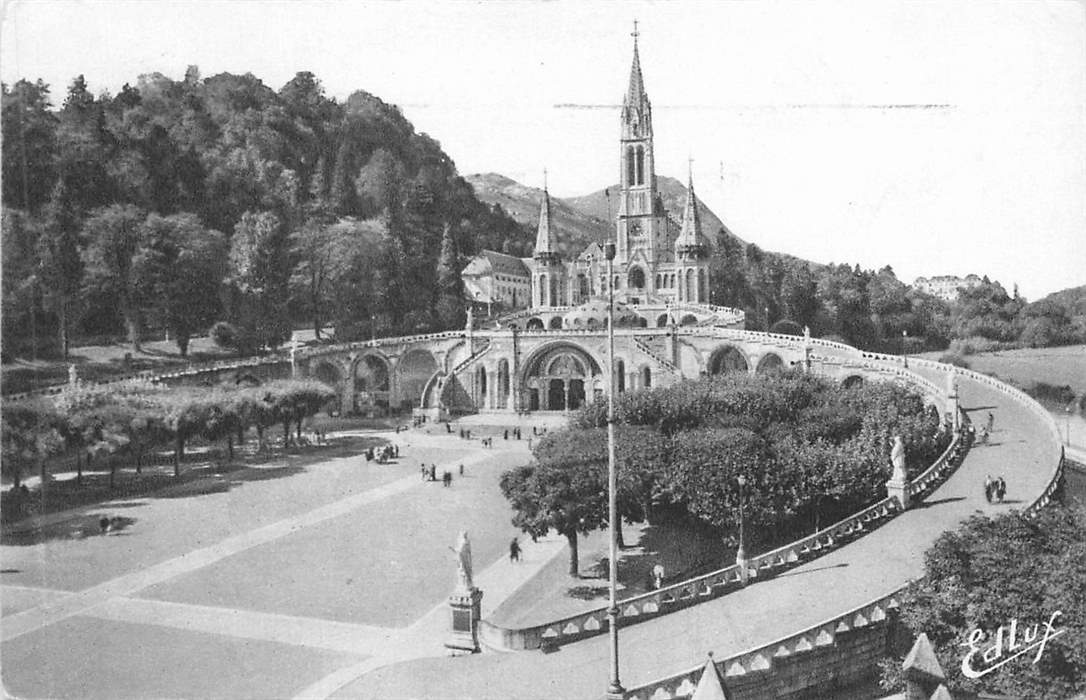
(851, 576)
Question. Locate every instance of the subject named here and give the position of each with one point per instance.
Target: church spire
(546, 242)
(635, 93)
(690, 234)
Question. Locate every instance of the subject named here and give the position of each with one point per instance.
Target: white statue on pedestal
(897, 459)
(73, 375)
(463, 555)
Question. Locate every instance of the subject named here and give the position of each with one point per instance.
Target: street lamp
(905, 347)
(373, 329)
(741, 550)
(614, 688)
(1070, 409)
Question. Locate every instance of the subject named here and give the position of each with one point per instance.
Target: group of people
(383, 454)
(429, 473)
(995, 489)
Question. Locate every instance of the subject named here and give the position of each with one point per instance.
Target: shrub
(225, 335)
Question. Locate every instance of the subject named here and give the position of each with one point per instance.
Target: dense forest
(221, 205)
(175, 205)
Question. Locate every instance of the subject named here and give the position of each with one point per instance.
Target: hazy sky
(937, 137)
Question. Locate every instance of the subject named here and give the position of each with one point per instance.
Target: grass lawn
(1026, 366)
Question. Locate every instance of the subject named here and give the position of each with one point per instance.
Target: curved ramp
(1021, 450)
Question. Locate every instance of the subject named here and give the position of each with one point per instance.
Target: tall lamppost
(373, 329)
(614, 688)
(741, 550)
(905, 347)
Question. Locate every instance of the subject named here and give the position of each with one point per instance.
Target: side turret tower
(691, 253)
(548, 280)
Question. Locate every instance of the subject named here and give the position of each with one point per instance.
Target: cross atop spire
(635, 33)
(544, 179)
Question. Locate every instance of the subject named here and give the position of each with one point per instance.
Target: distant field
(1057, 366)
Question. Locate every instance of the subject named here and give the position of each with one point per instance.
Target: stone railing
(643, 347)
(463, 364)
(717, 583)
(763, 658)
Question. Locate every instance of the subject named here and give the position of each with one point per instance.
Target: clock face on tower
(633, 227)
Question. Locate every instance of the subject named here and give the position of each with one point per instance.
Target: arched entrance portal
(727, 358)
(559, 379)
(636, 279)
(414, 370)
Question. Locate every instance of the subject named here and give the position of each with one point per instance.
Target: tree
(32, 432)
(178, 268)
(113, 239)
(450, 300)
(259, 278)
(994, 570)
(61, 264)
(563, 490)
(29, 136)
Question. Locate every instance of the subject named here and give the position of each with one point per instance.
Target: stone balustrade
(763, 658)
(717, 583)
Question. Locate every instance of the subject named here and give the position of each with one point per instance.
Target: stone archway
(661, 321)
(771, 363)
(727, 358)
(534, 324)
(559, 377)
(852, 381)
(372, 382)
(689, 320)
(412, 373)
(330, 373)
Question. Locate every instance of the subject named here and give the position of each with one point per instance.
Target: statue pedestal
(899, 489)
(465, 606)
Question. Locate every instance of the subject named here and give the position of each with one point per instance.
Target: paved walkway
(872, 566)
(43, 622)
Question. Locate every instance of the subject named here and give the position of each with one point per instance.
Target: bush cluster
(809, 449)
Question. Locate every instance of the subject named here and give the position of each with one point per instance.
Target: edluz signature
(993, 656)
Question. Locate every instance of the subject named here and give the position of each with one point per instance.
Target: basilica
(659, 263)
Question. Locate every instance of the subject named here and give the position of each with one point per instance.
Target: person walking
(461, 470)
(658, 575)
(988, 487)
(433, 472)
(424, 471)
(991, 421)
(446, 479)
(514, 550)
(1001, 489)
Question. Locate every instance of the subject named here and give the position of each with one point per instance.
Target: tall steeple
(636, 91)
(639, 229)
(546, 242)
(690, 240)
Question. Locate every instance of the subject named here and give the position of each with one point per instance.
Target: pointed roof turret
(690, 234)
(546, 242)
(710, 685)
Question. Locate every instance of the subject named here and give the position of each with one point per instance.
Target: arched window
(631, 167)
(554, 291)
(690, 285)
(542, 290)
(582, 286)
(659, 277)
(646, 378)
(640, 165)
(636, 278)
